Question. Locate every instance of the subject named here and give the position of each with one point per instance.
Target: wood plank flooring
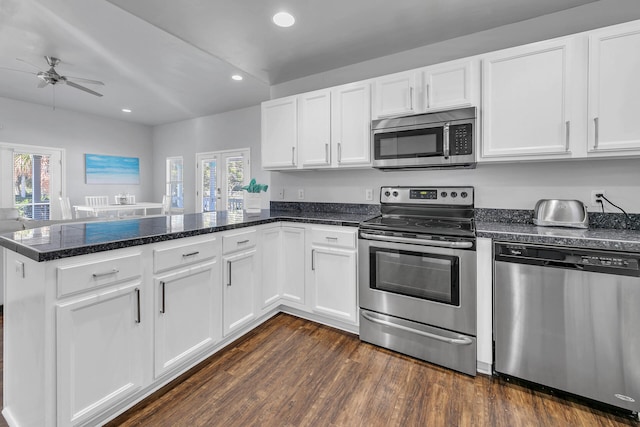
(292, 372)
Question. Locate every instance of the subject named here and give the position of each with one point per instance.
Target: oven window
(408, 144)
(416, 274)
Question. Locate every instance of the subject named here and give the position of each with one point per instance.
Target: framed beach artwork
(101, 169)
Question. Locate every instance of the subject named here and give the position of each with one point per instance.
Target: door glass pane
(235, 181)
(175, 182)
(209, 185)
(31, 178)
(426, 276)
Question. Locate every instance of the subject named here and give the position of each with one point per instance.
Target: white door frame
(221, 173)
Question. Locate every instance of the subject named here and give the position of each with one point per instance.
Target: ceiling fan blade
(42, 84)
(77, 86)
(80, 79)
(29, 64)
(15, 69)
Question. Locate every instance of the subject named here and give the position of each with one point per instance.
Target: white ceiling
(172, 60)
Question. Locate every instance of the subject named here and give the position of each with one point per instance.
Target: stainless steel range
(417, 285)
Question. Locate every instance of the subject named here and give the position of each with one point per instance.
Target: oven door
(426, 284)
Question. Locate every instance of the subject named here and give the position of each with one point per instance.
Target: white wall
(77, 133)
(230, 130)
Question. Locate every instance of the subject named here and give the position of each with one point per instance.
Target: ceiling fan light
(126, 110)
(283, 19)
(237, 77)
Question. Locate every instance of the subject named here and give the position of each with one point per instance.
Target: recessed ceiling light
(126, 110)
(283, 19)
(237, 77)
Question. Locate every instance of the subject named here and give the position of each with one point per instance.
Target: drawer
(238, 241)
(85, 276)
(334, 237)
(183, 252)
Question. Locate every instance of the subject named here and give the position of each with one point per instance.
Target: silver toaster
(561, 213)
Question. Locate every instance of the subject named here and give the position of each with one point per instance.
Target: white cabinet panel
(334, 282)
(100, 344)
(314, 125)
(240, 283)
(449, 85)
(614, 89)
(279, 133)
(351, 125)
(271, 253)
(293, 271)
(395, 95)
(188, 315)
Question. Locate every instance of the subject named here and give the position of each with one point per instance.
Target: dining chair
(65, 208)
(166, 205)
(96, 200)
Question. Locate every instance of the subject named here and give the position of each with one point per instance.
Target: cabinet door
(334, 282)
(239, 290)
(188, 313)
(526, 96)
(351, 124)
(395, 95)
(314, 125)
(293, 250)
(271, 254)
(279, 133)
(614, 89)
(448, 85)
(100, 347)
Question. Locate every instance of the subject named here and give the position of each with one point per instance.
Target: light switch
(20, 269)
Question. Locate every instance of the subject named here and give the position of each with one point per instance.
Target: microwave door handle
(446, 140)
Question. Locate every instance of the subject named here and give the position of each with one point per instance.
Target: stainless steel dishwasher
(569, 319)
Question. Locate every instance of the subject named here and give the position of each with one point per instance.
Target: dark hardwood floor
(292, 372)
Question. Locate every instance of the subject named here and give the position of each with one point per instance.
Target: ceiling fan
(51, 76)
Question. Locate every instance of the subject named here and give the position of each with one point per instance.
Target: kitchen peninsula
(99, 315)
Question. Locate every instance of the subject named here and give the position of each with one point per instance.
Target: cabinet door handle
(326, 153)
(137, 291)
(411, 98)
(108, 273)
(190, 254)
(228, 273)
(596, 132)
(313, 264)
(446, 140)
(339, 152)
(293, 156)
(567, 135)
(162, 309)
(426, 97)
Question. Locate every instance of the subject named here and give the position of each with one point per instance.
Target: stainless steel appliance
(568, 319)
(442, 139)
(561, 213)
(417, 275)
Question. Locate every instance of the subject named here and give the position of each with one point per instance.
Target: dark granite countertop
(72, 239)
(594, 238)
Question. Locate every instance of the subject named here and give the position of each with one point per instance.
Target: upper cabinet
(328, 128)
(449, 85)
(526, 101)
(614, 90)
(280, 133)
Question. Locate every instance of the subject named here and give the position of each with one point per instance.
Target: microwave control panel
(461, 139)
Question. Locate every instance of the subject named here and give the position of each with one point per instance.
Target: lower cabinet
(100, 348)
(188, 310)
(293, 271)
(334, 282)
(239, 284)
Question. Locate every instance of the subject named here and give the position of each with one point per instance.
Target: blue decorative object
(102, 169)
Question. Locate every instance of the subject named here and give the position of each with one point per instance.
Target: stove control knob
(464, 194)
(454, 194)
(387, 194)
(395, 194)
(443, 194)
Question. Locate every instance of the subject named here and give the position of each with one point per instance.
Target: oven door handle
(424, 242)
(458, 341)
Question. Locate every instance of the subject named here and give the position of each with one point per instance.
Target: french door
(220, 178)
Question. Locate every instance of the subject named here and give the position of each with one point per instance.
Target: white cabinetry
(351, 125)
(240, 279)
(271, 255)
(527, 94)
(333, 272)
(614, 90)
(279, 133)
(293, 263)
(314, 124)
(448, 85)
(187, 301)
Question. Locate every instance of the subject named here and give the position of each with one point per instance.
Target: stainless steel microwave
(433, 140)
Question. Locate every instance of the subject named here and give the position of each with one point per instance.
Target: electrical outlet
(368, 194)
(20, 269)
(300, 194)
(281, 194)
(595, 198)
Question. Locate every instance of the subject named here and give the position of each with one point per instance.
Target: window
(31, 189)
(174, 182)
(222, 174)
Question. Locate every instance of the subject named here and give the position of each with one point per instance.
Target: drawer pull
(108, 273)
(137, 291)
(331, 238)
(241, 242)
(190, 254)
